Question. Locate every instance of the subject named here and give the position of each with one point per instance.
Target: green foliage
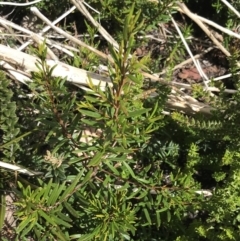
(122, 192)
(151, 13)
(86, 59)
(8, 120)
(141, 175)
(8, 131)
(40, 210)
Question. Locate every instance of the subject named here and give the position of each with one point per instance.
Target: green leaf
(90, 113)
(87, 177)
(46, 190)
(58, 233)
(37, 194)
(133, 78)
(60, 221)
(129, 169)
(46, 217)
(125, 236)
(16, 139)
(70, 189)
(147, 215)
(106, 181)
(115, 56)
(2, 210)
(92, 99)
(112, 168)
(158, 219)
(70, 209)
(162, 210)
(32, 223)
(87, 237)
(124, 187)
(134, 194)
(143, 194)
(96, 159)
(138, 112)
(154, 110)
(168, 216)
(142, 180)
(64, 217)
(55, 194)
(24, 224)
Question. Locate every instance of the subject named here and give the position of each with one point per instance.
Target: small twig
(212, 89)
(163, 30)
(30, 33)
(196, 63)
(225, 30)
(11, 32)
(188, 61)
(15, 26)
(70, 37)
(48, 27)
(80, 6)
(93, 10)
(231, 7)
(149, 36)
(19, 169)
(183, 8)
(17, 74)
(204, 76)
(20, 4)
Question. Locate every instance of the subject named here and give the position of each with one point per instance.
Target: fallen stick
(25, 63)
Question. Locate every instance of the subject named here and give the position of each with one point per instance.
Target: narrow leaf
(70, 209)
(71, 187)
(46, 217)
(2, 210)
(16, 139)
(129, 169)
(158, 219)
(90, 113)
(137, 112)
(168, 216)
(96, 159)
(147, 215)
(162, 210)
(55, 194)
(60, 221)
(112, 168)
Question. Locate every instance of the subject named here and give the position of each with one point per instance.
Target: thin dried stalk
(80, 6)
(70, 37)
(183, 8)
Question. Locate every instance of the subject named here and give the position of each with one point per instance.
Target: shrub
(142, 174)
